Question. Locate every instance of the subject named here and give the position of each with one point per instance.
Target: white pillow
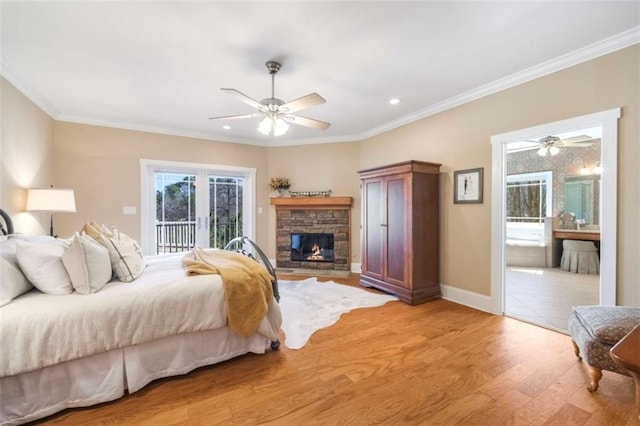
(40, 262)
(87, 264)
(126, 256)
(13, 284)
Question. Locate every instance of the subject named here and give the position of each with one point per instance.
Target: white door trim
(608, 217)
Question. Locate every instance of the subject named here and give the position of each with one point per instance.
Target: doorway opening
(531, 217)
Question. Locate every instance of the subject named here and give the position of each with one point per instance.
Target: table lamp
(52, 200)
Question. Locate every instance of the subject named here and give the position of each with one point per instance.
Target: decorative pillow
(126, 256)
(87, 264)
(14, 283)
(40, 262)
(95, 230)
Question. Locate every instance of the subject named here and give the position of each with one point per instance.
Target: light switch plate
(129, 210)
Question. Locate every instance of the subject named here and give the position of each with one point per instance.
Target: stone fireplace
(313, 233)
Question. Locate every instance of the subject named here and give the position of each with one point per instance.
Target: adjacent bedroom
(303, 212)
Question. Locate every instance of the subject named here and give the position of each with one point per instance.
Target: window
(528, 197)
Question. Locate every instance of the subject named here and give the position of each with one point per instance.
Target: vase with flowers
(279, 184)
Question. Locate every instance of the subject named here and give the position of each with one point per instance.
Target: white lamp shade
(280, 127)
(266, 126)
(51, 200)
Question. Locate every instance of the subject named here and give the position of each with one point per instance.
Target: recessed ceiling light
(226, 127)
(394, 101)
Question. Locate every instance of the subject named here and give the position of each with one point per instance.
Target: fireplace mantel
(318, 202)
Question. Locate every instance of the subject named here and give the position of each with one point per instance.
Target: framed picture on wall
(467, 186)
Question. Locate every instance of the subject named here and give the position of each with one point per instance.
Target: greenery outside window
(529, 197)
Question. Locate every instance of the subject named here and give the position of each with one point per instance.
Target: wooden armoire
(400, 230)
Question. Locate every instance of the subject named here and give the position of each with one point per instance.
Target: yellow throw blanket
(247, 285)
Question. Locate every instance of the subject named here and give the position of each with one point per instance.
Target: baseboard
(356, 268)
(466, 297)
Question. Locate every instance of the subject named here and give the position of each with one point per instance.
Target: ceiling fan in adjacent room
(277, 113)
(550, 145)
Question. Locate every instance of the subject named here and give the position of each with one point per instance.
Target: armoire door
(396, 230)
(372, 221)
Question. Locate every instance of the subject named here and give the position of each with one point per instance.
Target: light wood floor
(436, 363)
(546, 296)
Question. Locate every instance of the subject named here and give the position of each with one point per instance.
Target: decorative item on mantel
(279, 184)
(310, 193)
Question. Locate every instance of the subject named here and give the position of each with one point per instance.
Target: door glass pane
(225, 209)
(175, 212)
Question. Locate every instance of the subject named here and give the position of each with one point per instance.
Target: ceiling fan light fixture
(266, 126)
(277, 126)
(542, 151)
(280, 127)
(554, 150)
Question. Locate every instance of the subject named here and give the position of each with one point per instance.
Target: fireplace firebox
(312, 247)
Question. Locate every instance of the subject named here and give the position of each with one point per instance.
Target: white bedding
(161, 302)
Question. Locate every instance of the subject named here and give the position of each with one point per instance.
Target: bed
(74, 350)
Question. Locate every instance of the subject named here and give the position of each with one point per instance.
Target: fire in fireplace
(312, 247)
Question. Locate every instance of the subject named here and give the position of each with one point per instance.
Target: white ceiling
(158, 66)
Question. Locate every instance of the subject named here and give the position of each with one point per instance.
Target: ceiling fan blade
(243, 98)
(308, 122)
(304, 102)
(233, 117)
(577, 140)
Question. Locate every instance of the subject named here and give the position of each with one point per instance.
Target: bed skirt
(105, 377)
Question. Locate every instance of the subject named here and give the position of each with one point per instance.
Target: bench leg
(576, 349)
(596, 375)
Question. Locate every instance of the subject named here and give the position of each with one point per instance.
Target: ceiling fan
(277, 114)
(550, 145)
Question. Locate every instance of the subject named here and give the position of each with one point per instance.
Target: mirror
(582, 198)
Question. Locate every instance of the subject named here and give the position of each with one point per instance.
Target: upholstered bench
(595, 330)
(580, 257)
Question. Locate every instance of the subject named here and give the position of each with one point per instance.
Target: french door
(186, 205)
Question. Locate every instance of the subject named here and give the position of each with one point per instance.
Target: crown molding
(155, 129)
(592, 51)
(13, 77)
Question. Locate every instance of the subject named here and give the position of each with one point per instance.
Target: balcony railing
(172, 237)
